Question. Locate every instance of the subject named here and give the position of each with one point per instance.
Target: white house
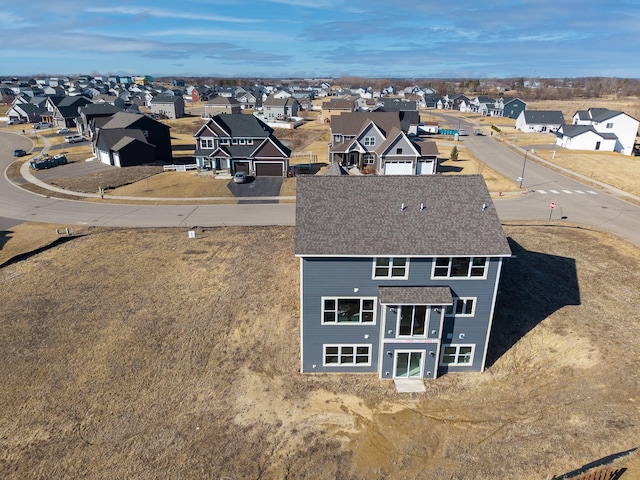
(585, 137)
(539, 120)
(609, 125)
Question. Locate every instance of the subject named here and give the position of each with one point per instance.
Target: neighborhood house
(399, 275)
(599, 129)
(231, 143)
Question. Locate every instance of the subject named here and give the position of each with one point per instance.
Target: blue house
(399, 275)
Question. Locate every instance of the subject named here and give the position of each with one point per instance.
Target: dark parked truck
(41, 163)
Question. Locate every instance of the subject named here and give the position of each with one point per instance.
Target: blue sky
(319, 38)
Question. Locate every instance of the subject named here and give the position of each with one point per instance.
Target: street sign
(553, 205)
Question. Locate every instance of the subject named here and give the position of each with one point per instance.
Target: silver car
(240, 177)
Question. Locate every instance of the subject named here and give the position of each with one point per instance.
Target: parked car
(64, 130)
(462, 132)
(15, 121)
(74, 138)
(19, 152)
(38, 126)
(240, 177)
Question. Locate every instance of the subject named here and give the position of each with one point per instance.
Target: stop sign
(553, 205)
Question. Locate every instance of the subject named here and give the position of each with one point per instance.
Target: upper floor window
(348, 310)
(412, 321)
(224, 141)
(460, 267)
(462, 307)
(369, 141)
(206, 143)
(609, 125)
(398, 151)
(249, 141)
(234, 141)
(391, 267)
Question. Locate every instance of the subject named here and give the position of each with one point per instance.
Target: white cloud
(162, 13)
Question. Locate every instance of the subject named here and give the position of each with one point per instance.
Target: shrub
(454, 154)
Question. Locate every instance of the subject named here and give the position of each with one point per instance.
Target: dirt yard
(145, 354)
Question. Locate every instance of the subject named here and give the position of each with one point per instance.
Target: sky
(322, 38)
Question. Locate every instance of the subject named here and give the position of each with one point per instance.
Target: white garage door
(104, 157)
(397, 168)
(425, 168)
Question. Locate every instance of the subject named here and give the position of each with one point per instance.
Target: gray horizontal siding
(339, 277)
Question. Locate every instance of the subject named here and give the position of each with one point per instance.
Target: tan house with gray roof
(375, 142)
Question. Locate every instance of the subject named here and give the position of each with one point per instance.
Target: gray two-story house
(399, 275)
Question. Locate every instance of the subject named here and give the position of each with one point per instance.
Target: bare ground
(144, 354)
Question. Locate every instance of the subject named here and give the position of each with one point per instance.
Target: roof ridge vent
(403, 207)
(422, 207)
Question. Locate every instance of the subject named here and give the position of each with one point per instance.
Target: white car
(64, 130)
(74, 138)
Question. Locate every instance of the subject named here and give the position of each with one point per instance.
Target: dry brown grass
(131, 354)
(468, 164)
(176, 185)
(109, 180)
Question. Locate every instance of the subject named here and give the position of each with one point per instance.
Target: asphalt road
(574, 201)
(18, 204)
(601, 208)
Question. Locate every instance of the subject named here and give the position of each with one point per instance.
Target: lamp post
(523, 167)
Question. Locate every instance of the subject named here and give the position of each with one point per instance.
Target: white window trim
(206, 143)
(224, 141)
(340, 347)
(468, 277)
(426, 321)
(464, 300)
(369, 141)
(390, 267)
(422, 361)
(457, 346)
(375, 309)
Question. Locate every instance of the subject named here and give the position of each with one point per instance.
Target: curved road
(576, 202)
(600, 208)
(16, 203)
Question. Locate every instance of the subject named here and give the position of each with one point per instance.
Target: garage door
(425, 167)
(241, 167)
(269, 169)
(103, 156)
(398, 168)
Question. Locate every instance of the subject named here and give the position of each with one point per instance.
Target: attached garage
(426, 167)
(269, 169)
(398, 168)
(104, 157)
(241, 167)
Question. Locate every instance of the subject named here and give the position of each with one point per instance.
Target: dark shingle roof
(241, 125)
(415, 295)
(573, 131)
(362, 215)
(117, 138)
(547, 117)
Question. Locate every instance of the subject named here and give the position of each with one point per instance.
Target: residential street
(574, 201)
(602, 208)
